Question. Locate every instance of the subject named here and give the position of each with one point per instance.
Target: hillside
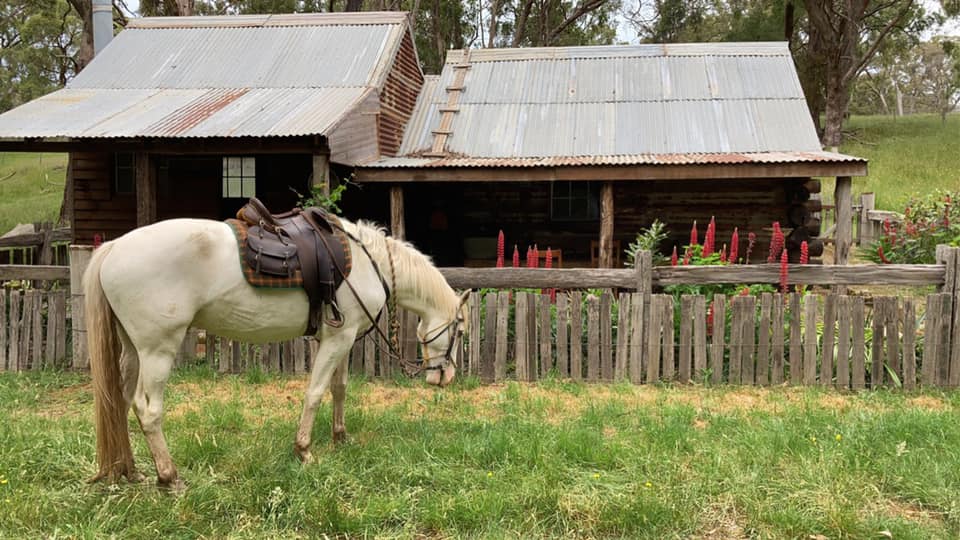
(908, 155)
(31, 187)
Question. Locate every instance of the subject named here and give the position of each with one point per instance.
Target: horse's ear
(464, 296)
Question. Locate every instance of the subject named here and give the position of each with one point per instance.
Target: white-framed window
(574, 201)
(239, 177)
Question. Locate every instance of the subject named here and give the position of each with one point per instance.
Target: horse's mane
(414, 270)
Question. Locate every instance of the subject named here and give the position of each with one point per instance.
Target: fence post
(865, 231)
(643, 264)
(79, 260)
(948, 256)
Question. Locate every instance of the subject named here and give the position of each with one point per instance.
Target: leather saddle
(310, 240)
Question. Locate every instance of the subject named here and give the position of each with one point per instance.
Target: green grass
(31, 187)
(911, 155)
(557, 460)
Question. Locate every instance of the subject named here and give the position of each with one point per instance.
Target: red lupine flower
(751, 241)
(500, 249)
(97, 240)
(723, 254)
(776, 243)
(516, 257)
(745, 291)
(710, 238)
(886, 226)
(548, 263)
(883, 257)
(687, 255)
(693, 234)
(529, 257)
(804, 252)
(783, 271)
(673, 258)
(536, 256)
(734, 246)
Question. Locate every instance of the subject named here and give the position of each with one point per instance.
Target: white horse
(144, 289)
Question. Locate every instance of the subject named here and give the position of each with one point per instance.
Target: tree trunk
(354, 5)
(84, 9)
(899, 99)
(836, 108)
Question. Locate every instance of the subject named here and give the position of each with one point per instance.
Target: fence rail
(593, 278)
(623, 332)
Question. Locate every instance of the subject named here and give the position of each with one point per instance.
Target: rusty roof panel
(86, 113)
(253, 21)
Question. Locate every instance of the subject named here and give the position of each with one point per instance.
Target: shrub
(926, 223)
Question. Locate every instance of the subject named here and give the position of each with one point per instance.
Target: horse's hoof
(135, 477)
(303, 455)
(339, 437)
(175, 486)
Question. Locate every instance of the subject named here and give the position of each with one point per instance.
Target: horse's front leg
(333, 350)
(338, 388)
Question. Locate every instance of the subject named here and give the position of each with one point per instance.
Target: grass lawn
(912, 155)
(31, 187)
(554, 459)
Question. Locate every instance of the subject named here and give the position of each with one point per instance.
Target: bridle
(453, 328)
(421, 364)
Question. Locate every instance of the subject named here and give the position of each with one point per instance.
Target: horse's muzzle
(436, 378)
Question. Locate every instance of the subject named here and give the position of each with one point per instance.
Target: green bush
(927, 222)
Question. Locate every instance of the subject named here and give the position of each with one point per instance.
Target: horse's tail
(114, 455)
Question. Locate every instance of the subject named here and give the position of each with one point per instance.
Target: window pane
(234, 186)
(250, 167)
(224, 192)
(233, 167)
(249, 187)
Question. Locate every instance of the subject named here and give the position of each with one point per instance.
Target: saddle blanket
(253, 277)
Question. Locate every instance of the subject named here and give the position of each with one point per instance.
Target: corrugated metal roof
(220, 77)
(241, 112)
(260, 57)
(714, 98)
(614, 160)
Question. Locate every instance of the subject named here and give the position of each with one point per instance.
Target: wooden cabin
(573, 148)
(579, 148)
(189, 116)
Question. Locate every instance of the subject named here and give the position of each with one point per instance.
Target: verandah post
(79, 260)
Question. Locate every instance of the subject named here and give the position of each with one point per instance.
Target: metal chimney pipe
(102, 24)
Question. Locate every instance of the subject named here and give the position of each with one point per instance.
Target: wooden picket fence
(831, 340)
(33, 329)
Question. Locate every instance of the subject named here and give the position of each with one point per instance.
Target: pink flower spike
(674, 258)
(548, 261)
(734, 246)
(783, 271)
(804, 252)
(516, 257)
(693, 234)
(723, 254)
(709, 241)
(500, 249)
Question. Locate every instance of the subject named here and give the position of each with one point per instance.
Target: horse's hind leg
(129, 377)
(334, 347)
(338, 388)
(148, 404)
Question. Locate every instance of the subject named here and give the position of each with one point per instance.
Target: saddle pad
(256, 279)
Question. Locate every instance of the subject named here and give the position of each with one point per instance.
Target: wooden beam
(612, 173)
(606, 225)
(33, 272)
(844, 204)
(321, 172)
(397, 219)
(600, 278)
(146, 188)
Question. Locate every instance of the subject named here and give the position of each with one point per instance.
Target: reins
(411, 368)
